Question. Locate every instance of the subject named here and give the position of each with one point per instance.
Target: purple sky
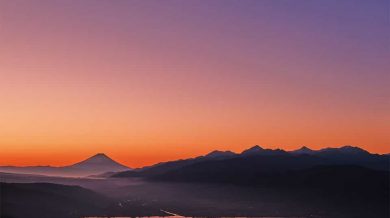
(185, 77)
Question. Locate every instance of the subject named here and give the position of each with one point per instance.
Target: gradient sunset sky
(150, 81)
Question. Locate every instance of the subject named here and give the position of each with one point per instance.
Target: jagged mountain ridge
(274, 159)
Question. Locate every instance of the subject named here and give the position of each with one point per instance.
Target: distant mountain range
(257, 160)
(97, 164)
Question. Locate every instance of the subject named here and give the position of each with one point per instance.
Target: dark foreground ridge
(49, 200)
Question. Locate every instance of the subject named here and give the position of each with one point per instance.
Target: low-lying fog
(137, 197)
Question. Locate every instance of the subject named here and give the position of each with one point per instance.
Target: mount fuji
(97, 164)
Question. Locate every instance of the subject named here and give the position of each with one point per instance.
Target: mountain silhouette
(220, 154)
(101, 163)
(303, 150)
(345, 150)
(257, 158)
(97, 164)
(257, 150)
(253, 150)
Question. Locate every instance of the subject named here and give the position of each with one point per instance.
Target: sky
(151, 81)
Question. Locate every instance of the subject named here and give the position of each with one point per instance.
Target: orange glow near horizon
(146, 83)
